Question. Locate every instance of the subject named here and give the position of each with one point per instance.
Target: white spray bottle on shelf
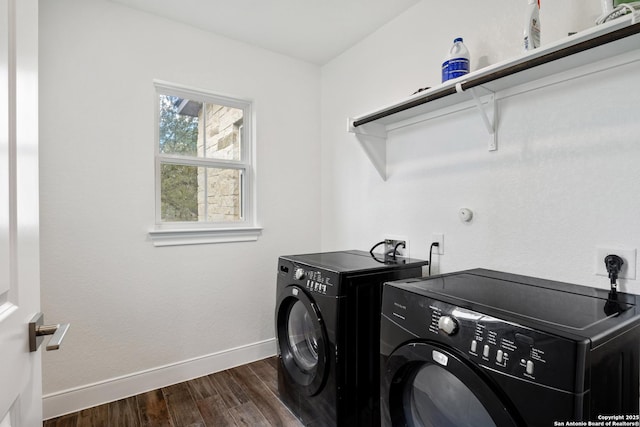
(532, 26)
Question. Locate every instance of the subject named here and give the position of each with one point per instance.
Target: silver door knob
(37, 331)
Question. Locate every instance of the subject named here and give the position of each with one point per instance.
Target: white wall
(565, 177)
(132, 306)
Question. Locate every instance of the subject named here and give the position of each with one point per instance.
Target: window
(204, 168)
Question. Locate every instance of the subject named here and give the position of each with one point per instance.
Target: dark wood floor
(242, 396)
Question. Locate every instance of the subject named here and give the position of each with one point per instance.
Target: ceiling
(311, 30)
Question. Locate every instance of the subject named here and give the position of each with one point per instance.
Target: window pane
(219, 133)
(220, 197)
(178, 127)
(179, 192)
(191, 193)
(199, 129)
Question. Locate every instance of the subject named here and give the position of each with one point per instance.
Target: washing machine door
(427, 385)
(302, 340)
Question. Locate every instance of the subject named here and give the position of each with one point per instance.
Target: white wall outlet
(628, 255)
(403, 252)
(438, 237)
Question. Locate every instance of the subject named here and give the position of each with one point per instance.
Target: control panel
(495, 344)
(313, 280)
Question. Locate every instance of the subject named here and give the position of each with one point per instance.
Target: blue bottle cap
(457, 39)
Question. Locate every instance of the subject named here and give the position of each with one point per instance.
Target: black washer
(328, 334)
(481, 348)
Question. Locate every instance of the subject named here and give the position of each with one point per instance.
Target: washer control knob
(448, 325)
(529, 368)
(485, 351)
(298, 274)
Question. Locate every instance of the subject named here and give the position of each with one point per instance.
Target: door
(302, 340)
(20, 369)
(426, 385)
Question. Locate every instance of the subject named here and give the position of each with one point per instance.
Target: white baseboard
(78, 398)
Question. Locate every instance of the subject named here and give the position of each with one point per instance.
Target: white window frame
(190, 233)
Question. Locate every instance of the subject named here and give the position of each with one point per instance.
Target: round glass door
(437, 398)
(427, 385)
(302, 337)
(302, 340)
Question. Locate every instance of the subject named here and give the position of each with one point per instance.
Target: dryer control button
(474, 346)
(448, 325)
(499, 356)
(298, 274)
(529, 367)
(485, 351)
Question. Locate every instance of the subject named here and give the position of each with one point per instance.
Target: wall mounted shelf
(480, 88)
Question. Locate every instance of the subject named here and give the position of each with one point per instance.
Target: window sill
(202, 236)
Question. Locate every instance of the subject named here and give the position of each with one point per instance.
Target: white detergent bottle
(532, 26)
(456, 63)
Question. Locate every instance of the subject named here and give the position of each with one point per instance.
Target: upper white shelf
(479, 87)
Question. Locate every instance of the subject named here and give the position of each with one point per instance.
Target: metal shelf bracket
(373, 139)
(489, 122)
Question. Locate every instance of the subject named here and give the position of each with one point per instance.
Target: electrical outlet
(392, 240)
(439, 238)
(628, 270)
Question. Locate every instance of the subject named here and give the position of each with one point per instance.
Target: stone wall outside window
(220, 128)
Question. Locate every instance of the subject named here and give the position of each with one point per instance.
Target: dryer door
(427, 385)
(302, 340)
